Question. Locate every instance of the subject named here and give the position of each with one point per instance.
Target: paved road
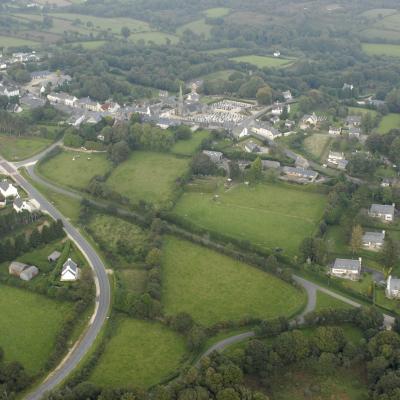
(311, 289)
(103, 292)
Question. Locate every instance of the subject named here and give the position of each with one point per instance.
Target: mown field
(19, 148)
(29, 324)
(148, 176)
(199, 27)
(189, 147)
(324, 301)
(139, 354)
(10, 41)
(269, 215)
(213, 287)
(389, 122)
(317, 144)
(74, 169)
(263, 61)
(217, 12)
(391, 50)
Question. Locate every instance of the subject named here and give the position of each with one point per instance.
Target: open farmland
(389, 122)
(15, 148)
(139, 354)
(148, 176)
(217, 12)
(74, 169)
(29, 324)
(317, 144)
(10, 41)
(189, 147)
(391, 50)
(212, 287)
(155, 37)
(270, 215)
(199, 27)
(263, 61)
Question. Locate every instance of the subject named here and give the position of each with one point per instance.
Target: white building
(335, 157)
(278, 108)
(347, 269)
(8, 190)
(335, 131)
(70, 271)
(383, 212)
(20, 205)
(392, 288)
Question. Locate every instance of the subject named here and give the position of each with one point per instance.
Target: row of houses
(20, 57)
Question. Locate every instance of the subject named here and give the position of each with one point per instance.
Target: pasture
(155, 37)
(14, 148)
(113, 25)
(324, 301)
(389, 122)
(361, 111)
(148, 176)
(74, 169)
(212, 287)
(138, 355)
(199, 27)
(29, 324)
(263, 61)
(217, 12)
(10, 41)
(391, 50)
(317, 144)
(223, 74)
(268, 215)
(92, 44)
(189, 147)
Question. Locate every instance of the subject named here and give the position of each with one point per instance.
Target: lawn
(29, 324)
(325, 301)
(361, 111)
(9, 41)
(189, 147)
(391, 50)
(139, 354)
(222, 50)
(199, 27)
(268, 215)
(74, 169)
(317, 144)
(217, 12)
(224, 75)
(389, 122)
(213, 287)
(148, 176)
(15, 148)
(263, 61)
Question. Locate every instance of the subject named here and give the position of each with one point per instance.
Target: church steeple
(180, 101)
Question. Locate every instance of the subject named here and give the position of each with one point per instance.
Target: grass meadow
(263, 61)
(317, 144)
(391, 50)
(74, 169)
(29, 324)
(324, 301)
(389, 122)
(217, 12)
(155, 37)
(148, 176)
(139, 355)
(15, 148)
(199, 27)
(213, 287)
(269, 215)
(10, 41)
(189, 147)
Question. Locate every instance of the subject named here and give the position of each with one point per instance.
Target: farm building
(29, 273)
(16, 268)
(54, 256)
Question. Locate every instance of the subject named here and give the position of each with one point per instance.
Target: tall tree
(356, 239)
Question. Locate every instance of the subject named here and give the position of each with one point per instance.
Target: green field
(113, 25)
(19, 148)
(317, 144)
(389, 122)
(199, 27)
(268, 215)
(139, 354)
(213, 287)
(74, 169)
(147, 176)
(92, 45)
(189, 147)
(361, 111)
(29, 324)
(155, 37)
(324, 301)
(222, 50)
(217, 12)
(391, 50)
(9, 41)
(263, 61)
(224, 74)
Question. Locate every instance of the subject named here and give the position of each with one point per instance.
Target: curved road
(103, 290)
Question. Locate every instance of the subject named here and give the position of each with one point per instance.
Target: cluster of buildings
(9, 191)
(353, 128)
(374, 241)
(69, 272)
(16, 58)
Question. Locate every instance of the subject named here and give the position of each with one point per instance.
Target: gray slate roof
(70, 264)
(374, 237)
(351, 265)
(306, 173)
(382, 209)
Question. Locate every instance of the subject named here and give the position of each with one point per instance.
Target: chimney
(360, 259)
(383, 232)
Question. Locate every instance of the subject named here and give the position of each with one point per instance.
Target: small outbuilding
(16, 268)
(29, 273)
(54, 256)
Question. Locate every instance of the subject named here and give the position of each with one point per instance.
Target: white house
(383, 212)
(392, 288)
(287, 95)
(373, 240)
(308, 121)
(334, 157)
(70, 271)
(8, 190)
(347, 269)
(278, 108)
(266, 132)
(335, 131)
(277, 53)
(63, 98)
(20, 205)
